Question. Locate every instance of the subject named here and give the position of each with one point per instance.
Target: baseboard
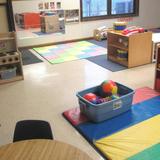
(54, 43)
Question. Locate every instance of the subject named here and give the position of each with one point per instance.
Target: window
(122, 7)
(92, 8)
(101, 9)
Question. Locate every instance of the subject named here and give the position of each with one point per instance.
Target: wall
(2, 1)
(3, 15)
(148, 17)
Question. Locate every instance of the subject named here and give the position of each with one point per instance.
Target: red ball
(109, 87)
(90, 97)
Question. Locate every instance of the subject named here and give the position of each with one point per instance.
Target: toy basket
(106, 110)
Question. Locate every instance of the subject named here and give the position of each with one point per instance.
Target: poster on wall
(72, 16)
(58, 5)
(40, 6)
(49, 5)
(46, 5)
(52, 5)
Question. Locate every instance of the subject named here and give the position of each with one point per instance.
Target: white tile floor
(48, 90)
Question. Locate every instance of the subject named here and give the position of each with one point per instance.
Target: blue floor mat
(102, 59)
(139, 112)
(105, 63)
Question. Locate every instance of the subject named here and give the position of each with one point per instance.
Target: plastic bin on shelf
(106, 110)
(7, 73)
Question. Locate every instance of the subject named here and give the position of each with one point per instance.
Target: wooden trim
(81, 16)
(109, 6)
(3, 4)
(54, 43)
(9, 12)
(10, 16)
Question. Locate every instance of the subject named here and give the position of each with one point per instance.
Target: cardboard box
(50, 24)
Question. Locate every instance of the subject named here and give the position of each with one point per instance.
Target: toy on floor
(100, 33)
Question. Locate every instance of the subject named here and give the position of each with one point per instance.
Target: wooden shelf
(6, 38)
(157, 71)
(17, 78)
(14, 62)
(119, 46)
(115, 59)
(10, 58)
(139, 48)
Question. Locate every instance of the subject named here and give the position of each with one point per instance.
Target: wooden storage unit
(10, 59)
(50, 24)
(157, 72)
(137, 46)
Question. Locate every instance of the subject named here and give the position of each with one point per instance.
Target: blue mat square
(138, 113)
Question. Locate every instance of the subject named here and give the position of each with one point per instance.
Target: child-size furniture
(157, 72)
(130, 51)
(10, 59)
(32, 129)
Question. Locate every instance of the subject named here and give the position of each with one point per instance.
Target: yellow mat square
(132, 140)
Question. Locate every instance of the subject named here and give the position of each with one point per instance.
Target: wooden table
(41, 150)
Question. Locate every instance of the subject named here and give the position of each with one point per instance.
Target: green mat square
(152, 153)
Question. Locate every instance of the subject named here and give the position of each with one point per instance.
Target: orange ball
(109, 87)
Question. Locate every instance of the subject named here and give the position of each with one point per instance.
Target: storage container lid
(120, 23)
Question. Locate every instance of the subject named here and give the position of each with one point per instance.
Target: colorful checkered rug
(70, 51)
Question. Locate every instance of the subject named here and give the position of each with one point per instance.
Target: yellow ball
(114, 90)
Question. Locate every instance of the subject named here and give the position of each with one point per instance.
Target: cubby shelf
(17, 78)
(137, 46)
(10, 59)
(118, 45)
(157, 70)
(115, 59)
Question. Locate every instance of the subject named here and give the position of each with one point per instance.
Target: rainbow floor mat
(70, 51)
(133, 135)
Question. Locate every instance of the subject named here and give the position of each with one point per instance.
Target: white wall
(148, 17)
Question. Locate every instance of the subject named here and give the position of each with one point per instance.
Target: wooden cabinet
(130, 51)
(10, 59)
(50, 24)
(157, 71)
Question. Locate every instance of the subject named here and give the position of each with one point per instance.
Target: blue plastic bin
(106, 110)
